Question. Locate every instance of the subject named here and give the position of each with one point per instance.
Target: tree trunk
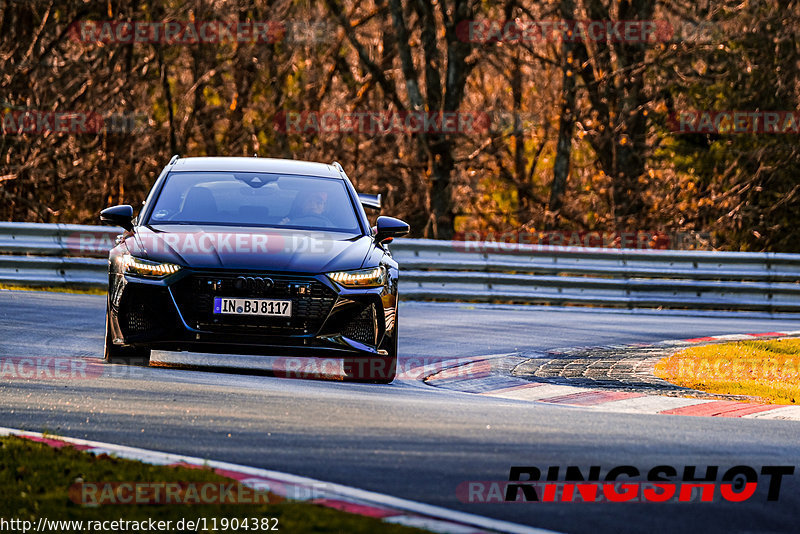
(442, 165)
(567, 120)
(631, 142)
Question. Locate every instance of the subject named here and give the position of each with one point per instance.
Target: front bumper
(177, 314)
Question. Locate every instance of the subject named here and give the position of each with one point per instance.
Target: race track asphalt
(405, 439)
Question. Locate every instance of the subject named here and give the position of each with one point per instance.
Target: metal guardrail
(55, 254)
(74, 255)
(544, 274)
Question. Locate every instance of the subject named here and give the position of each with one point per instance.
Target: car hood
(246, 248)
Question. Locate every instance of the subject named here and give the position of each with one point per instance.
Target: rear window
(255, 199)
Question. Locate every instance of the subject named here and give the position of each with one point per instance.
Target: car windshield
(255, 199)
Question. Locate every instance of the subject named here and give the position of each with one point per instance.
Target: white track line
(533, 393)
(791, 413)
(649, 404)
(437, 517)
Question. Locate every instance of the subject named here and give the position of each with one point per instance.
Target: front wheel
(374, 369)
(371, 369)
(123, 355)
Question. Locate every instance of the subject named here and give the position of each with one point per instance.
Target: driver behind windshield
(312, 205)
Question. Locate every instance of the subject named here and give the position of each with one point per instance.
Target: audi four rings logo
(253, 283)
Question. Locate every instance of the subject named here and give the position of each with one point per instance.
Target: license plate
(269, 307)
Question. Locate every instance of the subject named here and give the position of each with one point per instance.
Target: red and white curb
(352, 500)
(493, 383)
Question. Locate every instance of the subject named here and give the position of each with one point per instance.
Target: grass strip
(56, 289)
(37, 480)
(768, 369)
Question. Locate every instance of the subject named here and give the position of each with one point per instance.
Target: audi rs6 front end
(255, 256)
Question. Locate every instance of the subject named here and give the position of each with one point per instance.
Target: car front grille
(141, 310)
(362, 328)
(311, 303)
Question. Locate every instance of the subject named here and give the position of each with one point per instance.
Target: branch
(377, 74)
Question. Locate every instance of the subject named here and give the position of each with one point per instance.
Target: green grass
(769, 369)
(55, 289)
(35, 482)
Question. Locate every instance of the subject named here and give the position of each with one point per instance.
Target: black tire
(123, 355)
(391, 362)
(373, 369)
(370, 369)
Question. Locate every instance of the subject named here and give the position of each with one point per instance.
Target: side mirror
(389, 227)
(118, 216)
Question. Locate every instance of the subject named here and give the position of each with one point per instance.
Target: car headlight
(373, 277)
(149, 269)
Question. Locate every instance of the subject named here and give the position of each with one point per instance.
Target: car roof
(233, 164)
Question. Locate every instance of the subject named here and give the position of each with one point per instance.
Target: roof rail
(338, 166)
(174, 159)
